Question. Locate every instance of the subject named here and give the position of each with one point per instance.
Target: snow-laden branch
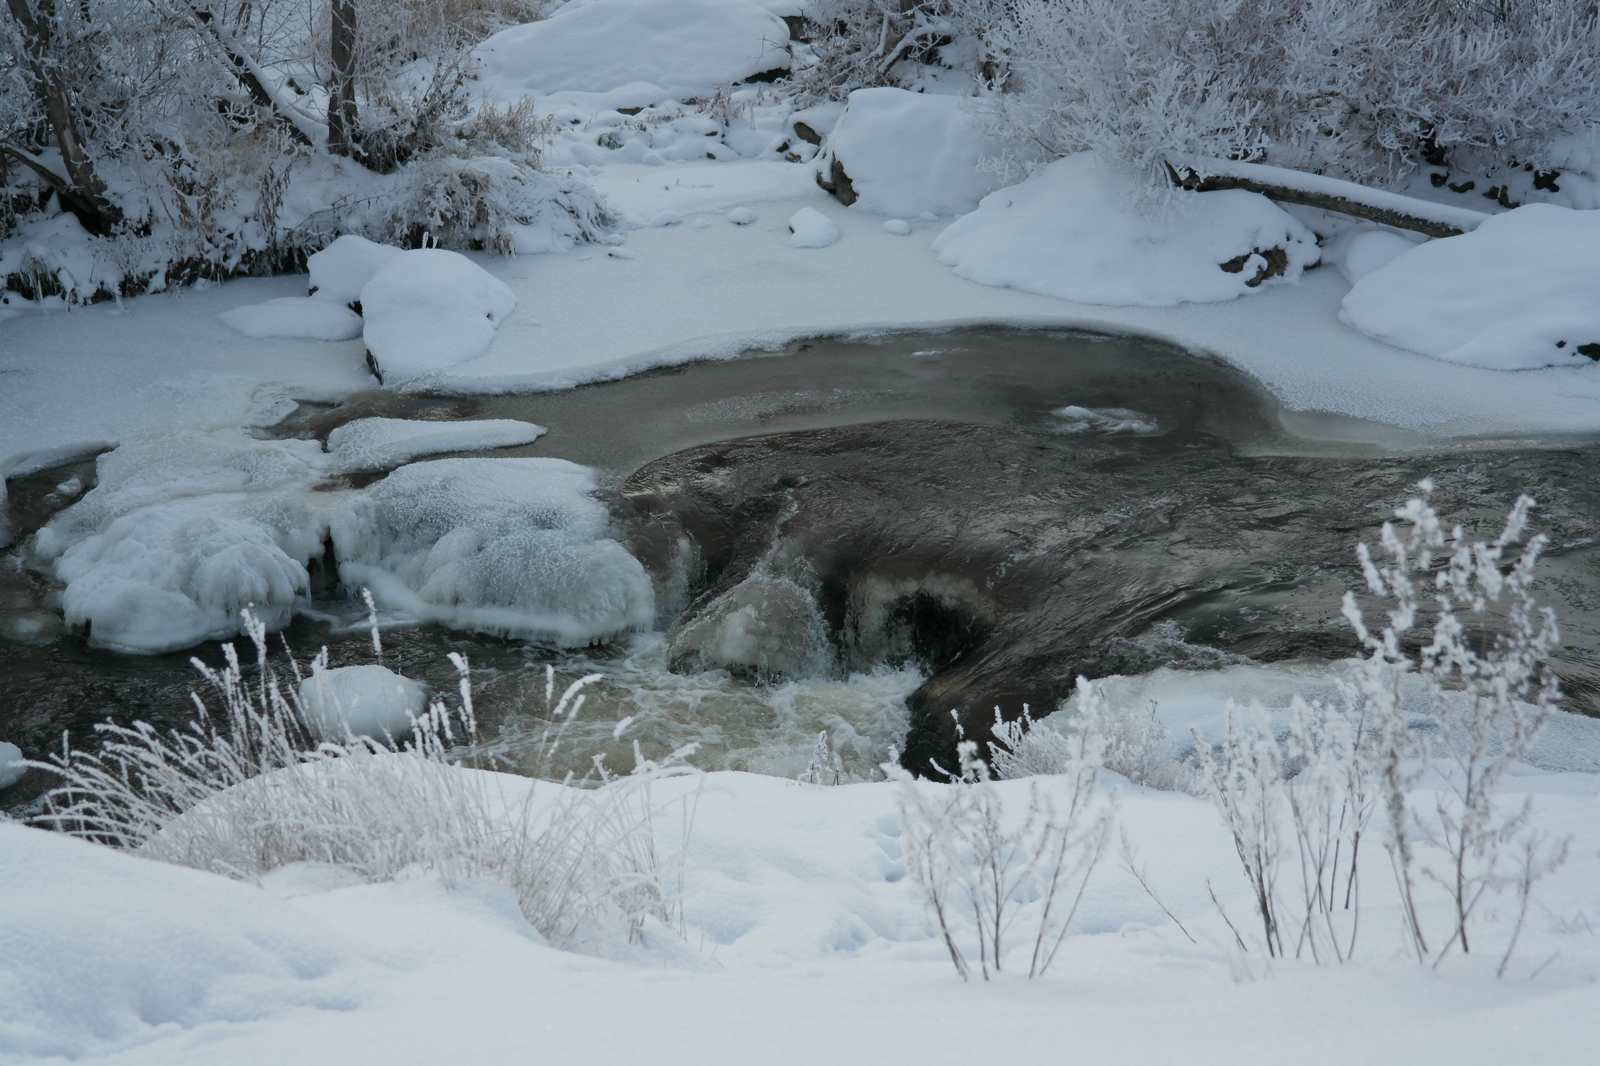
(1332, 194)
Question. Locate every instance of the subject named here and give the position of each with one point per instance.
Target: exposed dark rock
(807, 134)
(1277, 261)
(837, 182)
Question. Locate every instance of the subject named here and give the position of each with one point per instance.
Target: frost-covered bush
(1362, 89)
(856, 44)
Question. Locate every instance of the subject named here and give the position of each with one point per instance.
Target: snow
(181, 534)
(1359, 250)
(634, 52)
(10, 769)
(912, 153)
(897, 226)
(644, 194)
(385, 443)
(310, 317)
(341, 270)
(810, 228)
(1070, 231)
(1520, 291)
(514, 546)
(427, 308)
(364, 701)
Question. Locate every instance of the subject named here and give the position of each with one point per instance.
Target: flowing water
(1059, 386)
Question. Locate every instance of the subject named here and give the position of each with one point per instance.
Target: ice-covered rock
(427, 309)
(182, 533)
(383, 443)
(906, 153)
(363, 701)
(639, 52)
(515, 546)
(341, 270)
(1072, 231)
(1520, 291)
(810, 228)
(11, 768)
(307, 317)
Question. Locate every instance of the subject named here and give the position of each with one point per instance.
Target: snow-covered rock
(11, 768)
(1072, 231)
(341, 270)
(180, 534)
(363, 701)
(1359, 250)
(906, 153)
(308, 317)
(515, 546)
(810, 228)
(383, 443)
(638, 52)
(427, 308)
(1520, 291)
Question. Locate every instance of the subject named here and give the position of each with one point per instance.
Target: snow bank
(181, 534)
(308, 317)
(427, 309)
(102, 949)
(341, 270)
(10, 769)
(651, 49)
(1071, 232)
(384, 443)
(810, 228)
(515, 546)
(1520, 291)
(911, 153)
(364, 701)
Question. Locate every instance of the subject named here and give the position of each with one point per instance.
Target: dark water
(52, 683)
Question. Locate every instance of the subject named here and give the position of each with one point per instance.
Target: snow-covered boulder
(1072, 231)
(895, 152)
(384, 443)
(638, 52)
(427, 309)
(183, 532)
(341, 270)
(810, 228)
(514, 546)
(11, 768)
(305, 317)
(1520, 291)
(362, 701)
(1359, 250)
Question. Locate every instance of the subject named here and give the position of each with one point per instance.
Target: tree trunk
(87, 193)
(342, 117)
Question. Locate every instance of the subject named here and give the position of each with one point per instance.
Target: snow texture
(810, 228)
(1520, 291)
(385, 443)
(181, 534)
(363, 701)
(11, 770)
(911, 153)
(514, 546)
(341, 270)
(1072, 232)
(308, 317)
(1359, 250)
(635, 52)
(427, 309)
(644, 194)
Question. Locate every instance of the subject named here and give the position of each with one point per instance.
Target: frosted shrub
(992, 878)
(1135, 744)
(248, 790)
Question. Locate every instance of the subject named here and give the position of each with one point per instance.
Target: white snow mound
(384, 443)
(665, 49)
(1360, 250)
(181, 534)
(341, 270)
(1072, 231)
(11, 770)
(911, 153)
(307, 317)
(514, 546)
(427, 309)
(1520, 291)
(364, 701)
(810, 228)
